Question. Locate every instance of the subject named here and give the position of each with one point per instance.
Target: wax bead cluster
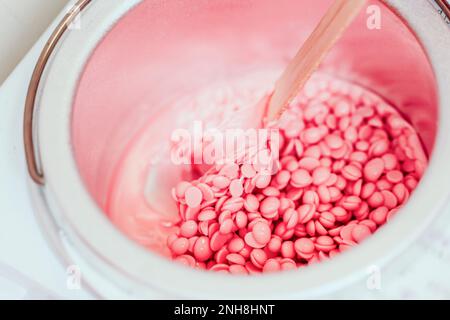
(347, 162)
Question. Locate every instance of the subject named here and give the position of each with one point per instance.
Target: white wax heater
(99, 83)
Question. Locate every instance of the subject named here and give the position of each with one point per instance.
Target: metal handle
(445, 7)
(30, 101)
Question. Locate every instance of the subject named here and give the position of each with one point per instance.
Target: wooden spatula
(333, 24)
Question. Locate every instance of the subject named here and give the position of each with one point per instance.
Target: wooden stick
(333, 24)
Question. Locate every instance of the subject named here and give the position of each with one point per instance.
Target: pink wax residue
(347, 162)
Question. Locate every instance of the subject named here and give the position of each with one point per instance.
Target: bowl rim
(88, 225)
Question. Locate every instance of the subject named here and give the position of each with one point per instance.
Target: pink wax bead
(313, 152)
(358, 156)
(301, 178)
(287, 249)
(360, 232)
(308, 163)
(394, 176)
(288, 264)
(390, 200)
(262, 180)
(221, 255)
(202, 250)
(241, 219)
(251, 203)
(383, 184)
(258, 257)
(238, 269)
(282, 178)
(180, 246)
(206, 190)
(219, 267)
(370, 224)
(351, 172)
(401, 192)
(357, 187)
(350, 134)
(378, 148)
(271, 192)
(325, 243)
(346, 232)
(186, 260)
(324, 194)
(293, 128)
(335, 194)
(236, 245)
(367, 190)
(410, 182)
(339, 213)
(220, 202)
(251, 241)
(390, 161)
(230, 170)
(342, 108)
(218, 240)
(236, 188)
(181, 188)
(248, 171)
(269, 205)
(373, 169)
(304, 246)
(261, 232)
(379, 215)
(311, 228)
(233, 204)
(362, 212)
(251, 268)
(193, 196)
(224, 215)
(188, 229)
(294, 194)
(274, 244)
(311, 197)
(320, 175)
(327, 219)
(334, 141)
(213, 227)
(221, 182)
(245, 252)
(226, 226)
(376, 199)
(234, 258)
(290, 218)
(311, 135)
(271, 265)
(206, 215)
(170, 239)
(351, 202)
(306, 212)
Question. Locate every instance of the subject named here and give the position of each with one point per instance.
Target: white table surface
(21, 24)
(29, 269)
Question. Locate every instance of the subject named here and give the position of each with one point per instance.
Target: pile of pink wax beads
(347, 162)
